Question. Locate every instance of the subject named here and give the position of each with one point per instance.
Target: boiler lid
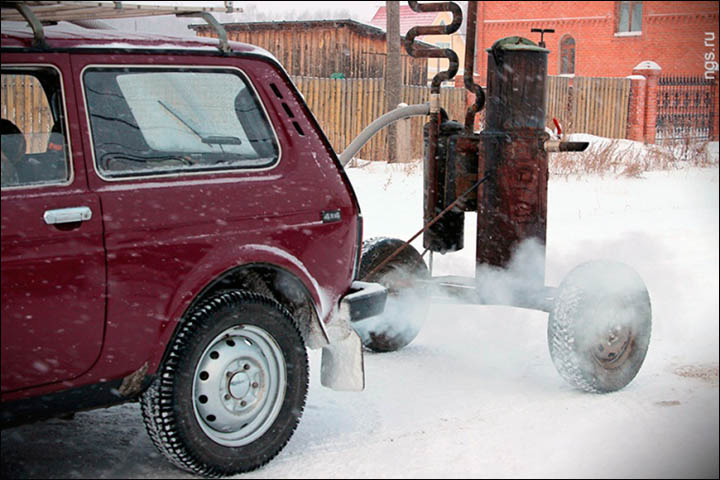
(517, 43)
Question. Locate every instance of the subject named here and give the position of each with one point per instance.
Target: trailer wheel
(230, 394)
(407, 303)
(599, 326)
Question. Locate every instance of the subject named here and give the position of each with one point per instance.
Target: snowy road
(476, 394)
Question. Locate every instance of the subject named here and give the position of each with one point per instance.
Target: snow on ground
(476, 394)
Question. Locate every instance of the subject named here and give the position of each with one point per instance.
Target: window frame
(574, 54)
(629, 32)
(68, 144)
(148, 174)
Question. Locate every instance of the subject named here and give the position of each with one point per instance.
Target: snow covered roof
(359, 27)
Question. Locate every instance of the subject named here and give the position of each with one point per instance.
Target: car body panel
(168, 237)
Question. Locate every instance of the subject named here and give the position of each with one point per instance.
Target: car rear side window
(149, 121)
(34, 140)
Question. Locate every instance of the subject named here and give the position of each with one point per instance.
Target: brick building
(667, 49)
(601, 38)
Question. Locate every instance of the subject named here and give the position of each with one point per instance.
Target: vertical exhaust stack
(512, 204)
(446, 234)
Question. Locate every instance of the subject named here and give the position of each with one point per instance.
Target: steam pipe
(432, 52)
(379, 124)
(469, 81)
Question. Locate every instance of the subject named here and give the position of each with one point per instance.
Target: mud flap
(342, 365)
(342, 359)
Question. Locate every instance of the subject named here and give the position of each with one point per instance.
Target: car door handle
(67, 215)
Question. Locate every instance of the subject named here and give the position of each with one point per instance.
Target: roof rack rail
(32, 20)
(37, 13)
(212, 21)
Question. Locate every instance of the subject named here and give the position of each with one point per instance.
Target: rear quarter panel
(168, 237)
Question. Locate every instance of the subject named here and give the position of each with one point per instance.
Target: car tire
(407, 301)
(232, 389)
(599, 326)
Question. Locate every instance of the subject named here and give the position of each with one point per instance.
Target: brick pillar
(636, 109)
(651, 71)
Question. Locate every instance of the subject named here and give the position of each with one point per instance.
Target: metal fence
(685, 108)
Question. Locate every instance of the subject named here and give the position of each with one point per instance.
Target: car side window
(149, 121)
(34, 141)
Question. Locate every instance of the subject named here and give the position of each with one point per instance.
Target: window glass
(34, 146)
(567, 55)
(629, 17)
(624, 17)
(151, 121)
(636, 24)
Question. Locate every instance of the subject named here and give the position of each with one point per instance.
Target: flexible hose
(379, 124)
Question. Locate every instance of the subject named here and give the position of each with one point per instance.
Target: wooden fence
(344, 107)
(594, 105)
(24, 103)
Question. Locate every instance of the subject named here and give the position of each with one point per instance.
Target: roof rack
(38, 13)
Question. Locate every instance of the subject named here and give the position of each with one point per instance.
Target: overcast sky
(362, 11)
(252, 11)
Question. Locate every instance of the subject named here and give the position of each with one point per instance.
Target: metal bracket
(217, 26)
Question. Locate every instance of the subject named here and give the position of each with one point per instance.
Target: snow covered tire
(599, 326)
(407, 302)
(232, 389)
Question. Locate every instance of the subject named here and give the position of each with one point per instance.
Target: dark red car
(176, 229)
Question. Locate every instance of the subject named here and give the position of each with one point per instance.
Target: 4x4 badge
(331, 216)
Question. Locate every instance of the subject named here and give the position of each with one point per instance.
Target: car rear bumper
(364, 300)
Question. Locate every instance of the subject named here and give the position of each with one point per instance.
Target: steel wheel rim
(239, 385)
(614, 347)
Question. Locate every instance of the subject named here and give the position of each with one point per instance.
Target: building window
(629, 17)
(567, 55)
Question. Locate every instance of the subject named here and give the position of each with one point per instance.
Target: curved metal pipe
(433, 52)
(379, 124)
(470, 84)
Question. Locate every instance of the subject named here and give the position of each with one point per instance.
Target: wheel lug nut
(246, 366)
(254, 384)
(243, 403)
(227, 397)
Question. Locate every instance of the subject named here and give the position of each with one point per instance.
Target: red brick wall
(673, 34)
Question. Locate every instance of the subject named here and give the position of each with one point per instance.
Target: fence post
(651, 71)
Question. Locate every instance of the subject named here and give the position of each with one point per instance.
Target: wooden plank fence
(22, 95)
(344, 107)
(594, 105)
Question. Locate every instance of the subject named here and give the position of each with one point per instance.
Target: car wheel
(232, 390)
(407, 300)
(599, 326)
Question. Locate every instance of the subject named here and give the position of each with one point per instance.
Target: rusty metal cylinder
(512, 203)
(446, 234)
